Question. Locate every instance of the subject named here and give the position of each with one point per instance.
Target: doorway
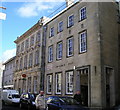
(84, 86)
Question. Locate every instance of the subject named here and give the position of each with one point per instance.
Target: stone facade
(8, 74)
(84, 54)
(28, 58)
(78, 50)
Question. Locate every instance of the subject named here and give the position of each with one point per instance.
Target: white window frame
(50, 53)
(69, 74)
(48, 83)
(21, 63)
(69, 20)
(29, 84)
(36, 60)
(83, 42)
(58, 82)
(22, 46)
(26, 43)
(18, 48)
(59, 50)
(51, 32)
(38, 36)
(60, 28)
(32, 39)
(30, 59)
(68, 46)
(25, 61)
(35, 84)
(83, 15)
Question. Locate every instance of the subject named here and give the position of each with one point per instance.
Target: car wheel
(47, 108)
(3, 103)
(21, 106)
(29, 107)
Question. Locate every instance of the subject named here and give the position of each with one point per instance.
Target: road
(10, 107)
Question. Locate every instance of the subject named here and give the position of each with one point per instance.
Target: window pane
(70, 20)
(60, 26)
(49, 84)
(50, 54)
(59, 50)
(82, 13)
(58, 83)
(69, 82)
(70, 47)
(51, 31)
(83, 42)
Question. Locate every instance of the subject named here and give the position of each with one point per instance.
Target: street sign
(23, 75)
(2, 16)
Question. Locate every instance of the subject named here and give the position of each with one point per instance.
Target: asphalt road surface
(10, 107)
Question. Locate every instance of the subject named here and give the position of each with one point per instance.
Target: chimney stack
(69, 2)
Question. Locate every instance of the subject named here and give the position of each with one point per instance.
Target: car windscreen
(15, 96)
(32, 96)
(69, 101)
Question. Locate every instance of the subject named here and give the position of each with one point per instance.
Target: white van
(10, 97)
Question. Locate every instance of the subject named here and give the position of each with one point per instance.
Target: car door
(27, 97)
(54, 104)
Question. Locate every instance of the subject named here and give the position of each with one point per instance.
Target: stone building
(78, 49)
(29, 59)
(8, 73)
(82, 53)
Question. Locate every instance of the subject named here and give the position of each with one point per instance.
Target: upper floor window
(70, 46)
(31, 60)
(51, 31)
(83, 13)
(32, 41)
(83, 42)
(22, 46)
(50, 53)
(17, 63)
(37, 57)
(70, 20)
(38, 36)
(59, 50)
(60, 26)
(18, 48)
(27, 43)
(25, 61)
(21, 63)
(69, 82)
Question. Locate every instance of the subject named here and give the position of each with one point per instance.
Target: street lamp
(3, 15)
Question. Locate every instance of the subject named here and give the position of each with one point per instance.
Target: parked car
(10, 97)
(63, 103)
(27, 100)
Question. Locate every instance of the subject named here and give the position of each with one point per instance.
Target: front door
(84, 86)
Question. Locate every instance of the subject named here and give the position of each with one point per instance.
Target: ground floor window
(29, 84)
(58, 83)
(49, 84)
(69, 82)
(35, 84)
(24, 85)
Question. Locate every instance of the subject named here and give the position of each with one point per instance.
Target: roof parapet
(69, 2)
(43, 20)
